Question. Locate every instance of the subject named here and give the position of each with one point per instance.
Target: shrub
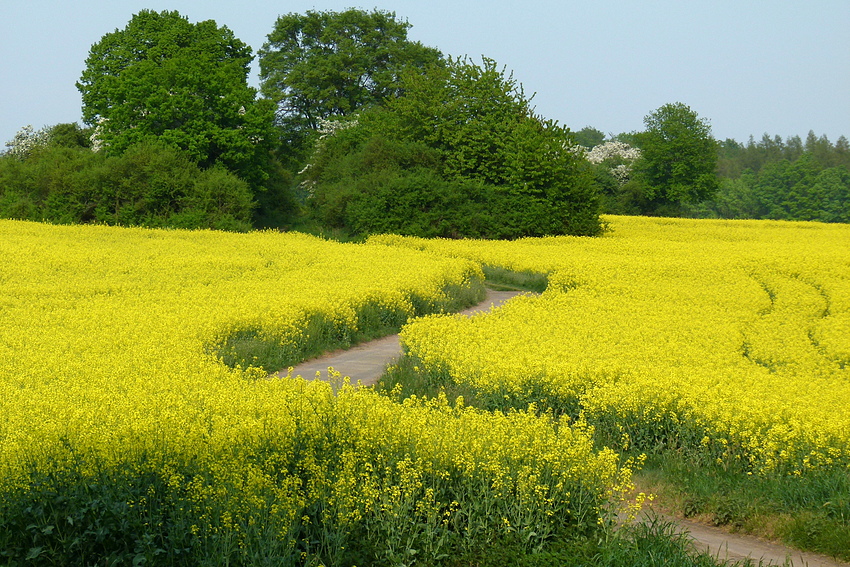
(458, 154)
(151, 184)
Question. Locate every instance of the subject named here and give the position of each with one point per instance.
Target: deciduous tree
(679, 159)
(588, 137)
(458, 153)
(184, 84)
(322, 64)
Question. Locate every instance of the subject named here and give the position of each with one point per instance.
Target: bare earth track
(734, 547)
(366, 363)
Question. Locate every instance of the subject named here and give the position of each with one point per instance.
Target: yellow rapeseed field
(728, 338)
(111, 386)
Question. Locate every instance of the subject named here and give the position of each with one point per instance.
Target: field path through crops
(366, 362)
(734, 547)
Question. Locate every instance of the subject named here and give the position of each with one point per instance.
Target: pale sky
(750, 67)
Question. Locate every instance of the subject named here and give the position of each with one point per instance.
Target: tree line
(784, 180)
(771, 178)
(358, 129)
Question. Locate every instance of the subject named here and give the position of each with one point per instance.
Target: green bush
(149, 185)
(458, 154)
(220, 198)
(783, 190)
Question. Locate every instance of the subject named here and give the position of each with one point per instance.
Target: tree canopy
(783, 189)
(458, 153)
(395, 138)
(184, 84)
(589, 137)
(322, 64)
(678, 161)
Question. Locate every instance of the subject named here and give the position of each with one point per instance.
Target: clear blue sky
(750, 67)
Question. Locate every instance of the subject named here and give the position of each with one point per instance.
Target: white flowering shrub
(326, 129)
(621, 173)
(26, 140)
(619, 156)
(96, 137)
(612, 149)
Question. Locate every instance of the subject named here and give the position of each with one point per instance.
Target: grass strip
(249, 347)
(502, 279)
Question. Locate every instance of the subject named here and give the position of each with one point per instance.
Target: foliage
(613, 163)
(29, 143)
(782, 180)
(389, 187)
(26, 141)
(771, 178)
(458, 153)
(800, 191)
(146, 448)
(589, 137)
(151, 184)
(679, 159)
(499, 278)
(809, 512)
(70, 135)
(323, 64)
(183, 84)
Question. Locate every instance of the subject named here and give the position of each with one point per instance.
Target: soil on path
(368, 361)
(736, 547)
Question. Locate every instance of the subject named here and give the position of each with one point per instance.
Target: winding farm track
(366, 362)
(735, 547)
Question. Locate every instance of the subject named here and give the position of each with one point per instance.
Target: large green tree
(678, 163)
(458, 154)
(322, 64)
(184, 84)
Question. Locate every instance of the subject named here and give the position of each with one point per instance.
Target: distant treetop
(322, 64)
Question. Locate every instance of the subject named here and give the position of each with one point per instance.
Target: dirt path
(736, 547)
(367, 362)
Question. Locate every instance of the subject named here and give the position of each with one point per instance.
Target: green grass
(811, 512)
(501, 279)
(406, 378)
(308, 226)
(250, 347)
(654, 543)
